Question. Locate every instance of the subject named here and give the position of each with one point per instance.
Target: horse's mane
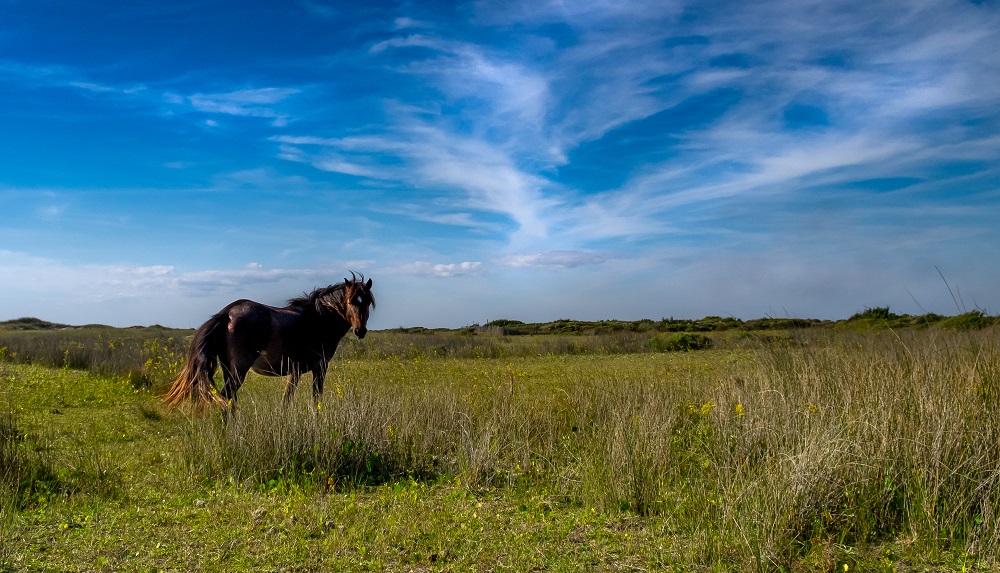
(314, 299)
(333, 294)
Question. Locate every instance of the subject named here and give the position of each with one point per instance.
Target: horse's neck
(333, 320)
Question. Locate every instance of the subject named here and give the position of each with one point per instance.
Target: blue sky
(480, 160)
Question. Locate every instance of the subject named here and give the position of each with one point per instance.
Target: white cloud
(335, 163)
(444, 270)
(91, 293)
(403, 23)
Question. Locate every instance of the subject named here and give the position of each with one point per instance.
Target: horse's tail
(194, 382)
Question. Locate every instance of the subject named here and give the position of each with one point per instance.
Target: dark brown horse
(288, 341)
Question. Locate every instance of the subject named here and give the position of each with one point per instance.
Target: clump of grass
(350, 440)
(27, 472)
(864, 443)
(369, 432)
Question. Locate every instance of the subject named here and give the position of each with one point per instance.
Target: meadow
(508, 447)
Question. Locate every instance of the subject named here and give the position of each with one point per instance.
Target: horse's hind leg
(291, 383)
(234, 377)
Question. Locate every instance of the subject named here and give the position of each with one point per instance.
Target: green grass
(791, 453)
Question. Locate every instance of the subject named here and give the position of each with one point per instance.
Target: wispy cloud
(483, 175)
(258, 102)
(502, 91)
(521, 118)
(61, 76)
(750, 149)
(264, 102)
(554, 259)
(405, 22)
(319, 9)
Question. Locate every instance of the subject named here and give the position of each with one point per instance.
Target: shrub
(971, 320)
(679, 341)
(878, 313)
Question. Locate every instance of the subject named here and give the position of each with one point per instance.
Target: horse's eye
(359, 300)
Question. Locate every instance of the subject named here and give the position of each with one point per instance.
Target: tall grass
(27, 475)
(863, 440)
(765, 457)
(368, 431)
(147, 356)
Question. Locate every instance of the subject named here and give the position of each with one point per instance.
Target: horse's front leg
(319, 374)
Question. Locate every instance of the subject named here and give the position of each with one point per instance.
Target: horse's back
(250, 324)
(266, 337)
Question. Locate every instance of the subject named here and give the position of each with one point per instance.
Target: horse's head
(358, 300)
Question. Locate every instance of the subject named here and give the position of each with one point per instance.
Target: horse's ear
(346, 281)
(368, 284)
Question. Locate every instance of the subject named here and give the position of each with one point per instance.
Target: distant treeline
(30, 323)
(868, 319)
(152, 355)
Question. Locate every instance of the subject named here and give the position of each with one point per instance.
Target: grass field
(806, 450)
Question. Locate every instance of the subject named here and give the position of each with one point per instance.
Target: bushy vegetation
(880, 318)
(679, 341)
(707, 324)
(31, 323)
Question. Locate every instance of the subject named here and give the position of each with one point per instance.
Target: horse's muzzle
(360, 332)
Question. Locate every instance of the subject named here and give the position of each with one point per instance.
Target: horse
(288, 341)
